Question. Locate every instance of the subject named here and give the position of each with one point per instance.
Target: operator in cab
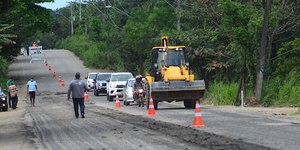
(139, 84)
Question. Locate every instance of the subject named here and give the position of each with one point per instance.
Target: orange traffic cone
(198, 122)
(49, 68)
(62, 83)
(118, 105)
(59, 79)
(151, 110)
(46, 63)
(54, 75)
(86, 96)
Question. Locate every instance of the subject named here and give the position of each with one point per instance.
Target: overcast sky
(57, 4)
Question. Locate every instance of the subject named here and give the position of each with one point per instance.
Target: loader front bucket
(177, 90)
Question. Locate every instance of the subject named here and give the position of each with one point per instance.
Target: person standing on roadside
(13, 95)
(31, 90)
(77, 87)
(8, 83)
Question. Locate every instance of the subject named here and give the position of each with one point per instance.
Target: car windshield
(130, 83)
(121, 77)
(92, 76)
(102, 77)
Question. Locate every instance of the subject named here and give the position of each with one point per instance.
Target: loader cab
(168, 56)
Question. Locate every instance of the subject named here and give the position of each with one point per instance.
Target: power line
(112, 22)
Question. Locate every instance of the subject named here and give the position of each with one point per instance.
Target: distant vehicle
(100, 83)
(3, 101)
(128, 91)
(116, 84)
(90, 80)
(36, 53)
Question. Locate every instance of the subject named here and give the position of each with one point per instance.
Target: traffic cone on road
(59, 79)
(151, 110)
(54, 75)
(86, 96)
(46, 63)
(49, 68)
(118, 104)
(62, 83)
(198, 121)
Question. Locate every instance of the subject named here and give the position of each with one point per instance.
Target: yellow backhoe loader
(170, 78)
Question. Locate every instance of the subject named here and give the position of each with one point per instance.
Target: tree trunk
(262, 51)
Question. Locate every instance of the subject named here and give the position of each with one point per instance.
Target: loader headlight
(187, 64)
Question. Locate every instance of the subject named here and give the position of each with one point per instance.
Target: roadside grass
(282, 93)
(220, 93)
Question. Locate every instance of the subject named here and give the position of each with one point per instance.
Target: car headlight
(112, 86)
(3, 98)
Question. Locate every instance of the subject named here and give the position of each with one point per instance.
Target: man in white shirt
(31, 90)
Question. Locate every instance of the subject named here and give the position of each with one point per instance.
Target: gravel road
(52, 124)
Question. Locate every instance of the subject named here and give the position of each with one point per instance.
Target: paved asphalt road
(52, 125)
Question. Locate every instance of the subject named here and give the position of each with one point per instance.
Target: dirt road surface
(51, 124)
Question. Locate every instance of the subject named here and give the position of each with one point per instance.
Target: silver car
(128, 91)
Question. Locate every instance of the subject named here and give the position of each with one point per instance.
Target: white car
(90, 80)
(116, 84)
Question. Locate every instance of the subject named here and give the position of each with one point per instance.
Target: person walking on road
(13, 95)
(32, 89)
(8, 83)
(77, 87)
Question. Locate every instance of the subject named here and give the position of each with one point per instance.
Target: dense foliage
(20, 20)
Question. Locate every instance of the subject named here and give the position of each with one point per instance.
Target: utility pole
(262, 51)
(72, 26)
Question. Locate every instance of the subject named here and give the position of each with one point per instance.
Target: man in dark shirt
(77, 88)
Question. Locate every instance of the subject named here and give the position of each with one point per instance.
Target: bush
(283, 91)
(222, 93)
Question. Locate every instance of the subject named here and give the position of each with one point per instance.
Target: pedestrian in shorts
(32, 89)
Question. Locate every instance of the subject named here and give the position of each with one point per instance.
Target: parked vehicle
(117, 83)
(128, 92)
(3, 101)
(100, 83)
(90, 80)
